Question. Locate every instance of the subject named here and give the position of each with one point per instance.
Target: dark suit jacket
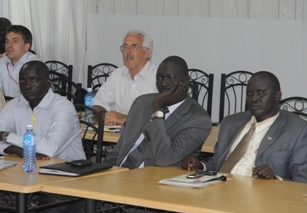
(169, 141)
(283, 148)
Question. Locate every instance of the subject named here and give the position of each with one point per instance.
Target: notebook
(66, 169)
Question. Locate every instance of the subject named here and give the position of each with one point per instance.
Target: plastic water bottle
(29, 150)
(89, 101)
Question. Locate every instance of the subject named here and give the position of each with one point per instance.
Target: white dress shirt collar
(22, 60)
(143, 73)
(45, 102)
(172, 108)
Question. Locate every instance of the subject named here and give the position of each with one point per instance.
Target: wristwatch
(5, 135)
(158, 114)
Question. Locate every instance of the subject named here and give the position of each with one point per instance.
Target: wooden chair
(61, 68)
(92, 124)
(296, 105)
(233, 92)
(98, 74)
(65, 87)
(201, 88)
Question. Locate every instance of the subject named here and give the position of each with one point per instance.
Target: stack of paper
(203, 181)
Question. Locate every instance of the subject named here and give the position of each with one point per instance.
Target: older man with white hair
(126, 83)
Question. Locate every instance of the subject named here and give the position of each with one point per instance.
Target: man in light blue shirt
(18, 42)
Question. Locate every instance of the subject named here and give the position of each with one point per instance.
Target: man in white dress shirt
(55, 123)
(18, 42)
(54, 118)
(125, 84)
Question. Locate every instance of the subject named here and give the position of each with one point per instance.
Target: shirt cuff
(15, 139)
(204, 166)
(278, 178)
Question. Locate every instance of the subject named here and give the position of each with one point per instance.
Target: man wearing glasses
(125, 84)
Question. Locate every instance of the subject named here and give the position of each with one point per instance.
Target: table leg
(89, 205)
(21, 203)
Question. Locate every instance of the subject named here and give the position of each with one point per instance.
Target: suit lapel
(178, 113)
(137, 129)
(272, 134)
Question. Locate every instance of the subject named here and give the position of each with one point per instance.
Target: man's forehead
(168, 71)
(13, 35)
(259, 80)
(30, 71)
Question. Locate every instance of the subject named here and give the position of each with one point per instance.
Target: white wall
(215, 45)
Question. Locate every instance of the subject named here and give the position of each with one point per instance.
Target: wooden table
(139, 187)
(208, 145)
(14, 179)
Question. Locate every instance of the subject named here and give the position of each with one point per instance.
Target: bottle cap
(89, 89)
(29, 126)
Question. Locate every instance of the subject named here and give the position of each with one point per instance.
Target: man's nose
(255, 97)
(165, 82)
(8, 43)
(28, 84)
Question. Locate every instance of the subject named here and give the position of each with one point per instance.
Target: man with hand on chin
(161, 129)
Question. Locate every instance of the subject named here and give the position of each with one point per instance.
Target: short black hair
(179, 62)
(5, 23)
(23, 31)
(37, 65)
(274, 80)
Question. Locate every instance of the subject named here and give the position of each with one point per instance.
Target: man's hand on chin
(176, 94)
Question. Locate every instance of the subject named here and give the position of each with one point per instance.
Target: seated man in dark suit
(264, 142)
(152, 137)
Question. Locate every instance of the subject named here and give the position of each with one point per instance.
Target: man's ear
(147, 53)
(187, 80)
(48, 83)
(278, 96)
(27, 47)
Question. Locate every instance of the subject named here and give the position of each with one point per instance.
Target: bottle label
(89, 101)
(29, 140)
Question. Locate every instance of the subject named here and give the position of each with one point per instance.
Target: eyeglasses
(132, 47)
